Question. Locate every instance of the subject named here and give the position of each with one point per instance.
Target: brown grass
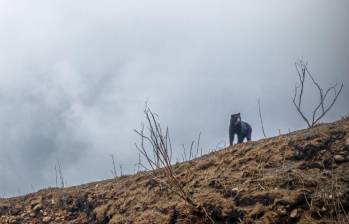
(287, 179)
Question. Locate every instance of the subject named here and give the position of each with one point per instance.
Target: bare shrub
(322, 107)
(121, 171)
(113, 171)
(156, 148)
(194, 150)
(59, 174)
(61, 197)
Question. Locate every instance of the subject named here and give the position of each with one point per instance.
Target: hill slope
(301, 177)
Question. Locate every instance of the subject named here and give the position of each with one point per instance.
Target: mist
(75, 76)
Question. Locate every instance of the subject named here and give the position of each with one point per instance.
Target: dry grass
(287, 179)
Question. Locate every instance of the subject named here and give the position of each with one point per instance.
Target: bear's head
(235, 118)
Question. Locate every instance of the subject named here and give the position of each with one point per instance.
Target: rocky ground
(301, 177)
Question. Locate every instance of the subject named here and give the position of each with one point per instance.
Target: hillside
(301, 177)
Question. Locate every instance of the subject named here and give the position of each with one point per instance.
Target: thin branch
(56, 175)
(331, 105)
(302, 71)
(113, 171)
(198, 145)
(260, 117)
(159, 156)
(58, 169)
(121, 173)
(301, 113)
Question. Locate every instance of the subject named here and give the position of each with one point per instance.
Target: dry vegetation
(301, 177)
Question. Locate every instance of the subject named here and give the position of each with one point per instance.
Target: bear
(240, 128)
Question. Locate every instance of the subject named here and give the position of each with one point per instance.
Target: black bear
(239, 127)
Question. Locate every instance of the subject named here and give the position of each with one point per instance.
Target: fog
(75, 76)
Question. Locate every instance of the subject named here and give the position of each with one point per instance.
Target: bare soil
(300, 177)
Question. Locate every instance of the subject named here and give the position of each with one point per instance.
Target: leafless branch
(56, 175)
(59, 173)
(159, 155)
(321, 108)
(260, 117)
(184, 154)
(113, 171)
(121, 172)
(198, 145)
(191, 155)
(220, 143)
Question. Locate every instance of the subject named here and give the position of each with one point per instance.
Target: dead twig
(113, 171)
(260, 117)
(321, 108)
(59, 174)
(159, 155)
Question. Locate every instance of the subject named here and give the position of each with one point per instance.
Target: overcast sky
(75, 75)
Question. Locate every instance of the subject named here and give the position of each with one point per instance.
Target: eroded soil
(301, 177)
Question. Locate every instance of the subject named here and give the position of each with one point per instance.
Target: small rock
(100, 212)
(281, 210)
(346, 146)
(339, 158)
(344, 153)
(90, 199)
(14, 221)
(19, 207)
(294, 214)
(37, 207)
(46, 219)
(35, 202)
(235, 189)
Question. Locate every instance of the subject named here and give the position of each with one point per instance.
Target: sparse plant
(61, 197)
(324, 104)
(156, 148)
(221, 143)
(113, 171)
(260, 117)
(345, 117)
(330, 196)
(138, 163)
(59, 174)
(159, 155)
(121, 171)
(194, 150)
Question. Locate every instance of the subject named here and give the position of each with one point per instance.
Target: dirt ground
(300, 177)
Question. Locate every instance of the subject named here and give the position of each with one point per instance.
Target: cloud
(74, 76)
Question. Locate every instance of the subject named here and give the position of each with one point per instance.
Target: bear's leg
(231, 138)
(241, 138)
(249, 133)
